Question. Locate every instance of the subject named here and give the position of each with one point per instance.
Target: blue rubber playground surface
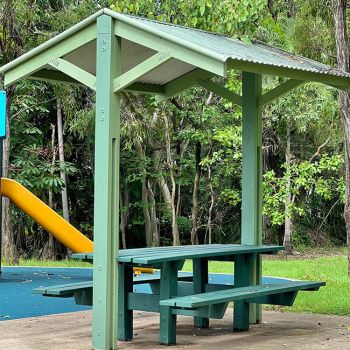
(17, 283)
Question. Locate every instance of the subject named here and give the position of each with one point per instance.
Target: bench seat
(82, 291)
(242, 293)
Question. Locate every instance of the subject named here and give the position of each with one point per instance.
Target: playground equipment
(52, 222)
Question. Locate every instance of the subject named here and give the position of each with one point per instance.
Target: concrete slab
(279, 331)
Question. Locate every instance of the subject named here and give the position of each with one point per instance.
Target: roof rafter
(221, 91)
(74, 72)
(34, 63)
(278, 91)
(182, 83)
(333, 80)
(137, 72)
(185, 54)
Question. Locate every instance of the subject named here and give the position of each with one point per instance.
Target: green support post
(168, 288)
(200, 279)
(242, 279)
(252, 174)
(106, 208)
(125, 323)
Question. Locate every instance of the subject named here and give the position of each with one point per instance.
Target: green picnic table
(172, 296)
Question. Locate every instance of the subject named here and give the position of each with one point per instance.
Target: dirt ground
(278, 331)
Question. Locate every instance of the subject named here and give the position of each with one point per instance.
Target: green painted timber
(168, 289)
(252, 173)
(143, 302)
(278, 91)
(251, 67)
(211, 64)
(53, 76)
(182, 83)
(221, 91)
(36, 62)
(154, 258)
(146, 88)
(137, 72)
(66, 290)
(73, 71)
(200, 280)
(125, 314)
(106, 197)
(243, 277)
(243, 293)
(216, 311)
(144, 256)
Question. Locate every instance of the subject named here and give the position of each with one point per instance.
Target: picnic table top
(174, 253)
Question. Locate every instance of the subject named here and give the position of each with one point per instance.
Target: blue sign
(2, 114)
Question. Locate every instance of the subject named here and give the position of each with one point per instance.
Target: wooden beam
(106, 197)
(328, 79)
(182, 83)
(221, 91)
(38, 61)
(278, 91)
(146, 88)
(180, 51)
(74, 72)
(141, 69)
(52, 76)
(252, 203)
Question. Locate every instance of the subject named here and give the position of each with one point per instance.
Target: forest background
(180, 160)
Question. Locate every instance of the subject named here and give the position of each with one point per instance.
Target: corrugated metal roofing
(221, 48)
(227, 47)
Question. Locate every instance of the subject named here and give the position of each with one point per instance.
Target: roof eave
(55, 40)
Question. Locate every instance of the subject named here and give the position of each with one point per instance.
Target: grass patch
(48, 263)
(333, 299)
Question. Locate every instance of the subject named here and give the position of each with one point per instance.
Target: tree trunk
(50, 251)
(153, 214)
(170, 197)
(123, 204)
(64, 192)
(8, 239)
(288, 219)
(195, 195)
(342, 45)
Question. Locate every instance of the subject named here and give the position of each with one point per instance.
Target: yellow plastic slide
(41, 213)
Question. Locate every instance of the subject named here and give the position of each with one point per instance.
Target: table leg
(125, 282)
(200, 279)
(243, 266)
(168, 289)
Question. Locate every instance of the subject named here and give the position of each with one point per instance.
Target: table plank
(156, 255)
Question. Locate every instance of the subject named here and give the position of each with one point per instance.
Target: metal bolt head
(99, 268)
(103, 41)
(103, 48)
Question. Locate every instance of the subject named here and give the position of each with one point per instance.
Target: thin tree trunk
(170, 197)
(153, 214)
(64, 192)
(195, 195)
(342, 44)
(50, 251)
(123, 218)
(210, 211)
(288, 219)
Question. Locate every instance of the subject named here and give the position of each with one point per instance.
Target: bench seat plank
(68, 290)
(242, 293)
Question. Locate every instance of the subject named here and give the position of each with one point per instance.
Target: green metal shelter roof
(187, 50)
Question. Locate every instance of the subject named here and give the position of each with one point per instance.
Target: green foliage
(321, 178)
